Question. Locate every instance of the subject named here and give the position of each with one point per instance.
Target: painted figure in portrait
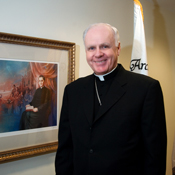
(38, 110)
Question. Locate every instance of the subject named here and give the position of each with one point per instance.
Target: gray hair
(115, 31)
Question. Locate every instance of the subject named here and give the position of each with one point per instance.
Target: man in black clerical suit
(38, 110)
(112, 122)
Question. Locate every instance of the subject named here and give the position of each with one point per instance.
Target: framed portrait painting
(34, 72)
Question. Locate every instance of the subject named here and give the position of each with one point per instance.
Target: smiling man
(101, 51)
(112, 122)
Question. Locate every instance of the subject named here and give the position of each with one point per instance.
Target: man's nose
(98, 53)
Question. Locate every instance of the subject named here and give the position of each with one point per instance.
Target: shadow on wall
(162, 69)
(160, 53)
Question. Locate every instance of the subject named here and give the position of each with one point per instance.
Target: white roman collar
(101, 77)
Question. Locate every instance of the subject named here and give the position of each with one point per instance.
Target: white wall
(65, 20)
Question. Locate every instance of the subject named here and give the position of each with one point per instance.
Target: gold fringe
(138, 3)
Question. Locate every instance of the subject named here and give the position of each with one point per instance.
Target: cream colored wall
(66, 19)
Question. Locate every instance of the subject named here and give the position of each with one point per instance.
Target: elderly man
(112, 122)
(38, 110)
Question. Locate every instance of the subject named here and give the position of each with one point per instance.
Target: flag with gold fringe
(139, 57)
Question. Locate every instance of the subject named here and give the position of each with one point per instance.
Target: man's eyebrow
(105, 44)
(91, 45)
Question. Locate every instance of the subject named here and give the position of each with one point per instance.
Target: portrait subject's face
(41, 81)
(101, 52)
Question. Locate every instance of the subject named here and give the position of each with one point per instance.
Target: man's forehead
(101, 31)
(100, 34)
(100, 27)
(41, 78)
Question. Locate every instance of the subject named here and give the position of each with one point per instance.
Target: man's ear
(119, 49)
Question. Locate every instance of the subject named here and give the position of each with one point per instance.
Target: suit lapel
(88, 98)
(115, 92)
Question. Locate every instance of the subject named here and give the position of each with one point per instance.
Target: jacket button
(91, 151)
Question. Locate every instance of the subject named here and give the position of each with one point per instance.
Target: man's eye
(105, 46)
(91, 48)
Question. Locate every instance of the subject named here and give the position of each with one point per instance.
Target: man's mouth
(100, 61)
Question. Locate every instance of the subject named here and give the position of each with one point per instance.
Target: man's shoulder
(134, 80)
(80, 82)
(137, 80)
(43, 88)
(135, 76)
(140, 77)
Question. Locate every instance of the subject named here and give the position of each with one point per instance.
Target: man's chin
(101, 72)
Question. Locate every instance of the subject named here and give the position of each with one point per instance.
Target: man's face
(101, 52)
(41, 81)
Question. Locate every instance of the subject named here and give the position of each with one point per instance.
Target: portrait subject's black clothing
(127, 136)
(42, 101)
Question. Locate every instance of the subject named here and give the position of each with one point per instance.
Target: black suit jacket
(128, 135)
(41, 99)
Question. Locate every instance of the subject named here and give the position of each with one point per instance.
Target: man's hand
(35, 109)
(27, 105)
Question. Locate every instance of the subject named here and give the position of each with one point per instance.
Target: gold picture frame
(15, 47)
